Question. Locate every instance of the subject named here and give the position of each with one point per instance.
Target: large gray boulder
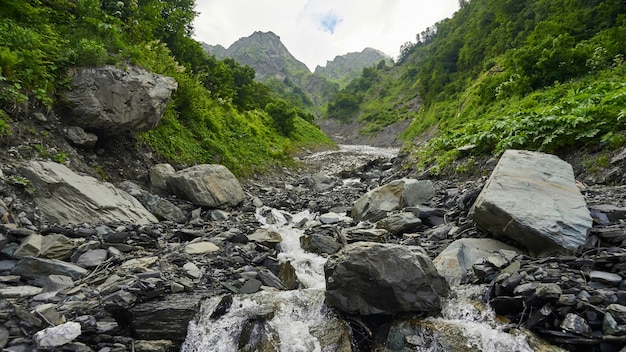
(455, 262)
(532, 198)
(375, 278)
(112, 100)
(66, 197)
(397, 194)
(207, 185)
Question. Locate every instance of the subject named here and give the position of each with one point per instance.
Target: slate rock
(399, 223)
(59, 335)
(33, 268)
(374, 278)
(66, 197)
(532, 198)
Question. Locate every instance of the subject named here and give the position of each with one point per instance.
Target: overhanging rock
(533, 199)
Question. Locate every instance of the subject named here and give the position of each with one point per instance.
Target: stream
(299, 320)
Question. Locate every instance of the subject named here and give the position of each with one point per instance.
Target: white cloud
(315, 31)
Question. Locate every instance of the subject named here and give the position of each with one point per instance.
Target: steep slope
(344, 68)
(539, 75)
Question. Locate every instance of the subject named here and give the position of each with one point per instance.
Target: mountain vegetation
(218, 113)
(540, 74)
(344, 68)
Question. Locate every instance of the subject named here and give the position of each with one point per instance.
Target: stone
(66, 197)
(320, 182)
(30, 247)
(166, 318)
(57, 283)
(316, 243)
(333, 218)
(603, 276)
(57, 246)
(92, 258)
(4, 336)
(111, 100)
(32, 268)
(159, 174)
(618, 312)
(139, 265)
(400, 223)
(59, 335)
(78, 137)
(201, 248)
(266, 237)
(532, 198)
(250, 286)
(416, 192)
(152, 345)
(377, 203)
(19, 291)
(455, 261)
(548, 291)
(373, 278)
(207, 185)
(192, 270)
(575, 324)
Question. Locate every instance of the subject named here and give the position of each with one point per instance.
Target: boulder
(112, 100)
(377, 203)
(532, 198)
(374, 278)
(208, 185)
(455, 262)
(66, 197)
(59, 335)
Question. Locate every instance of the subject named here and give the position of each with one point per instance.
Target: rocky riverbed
(135, 285)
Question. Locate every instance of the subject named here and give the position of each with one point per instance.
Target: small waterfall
(286, 321)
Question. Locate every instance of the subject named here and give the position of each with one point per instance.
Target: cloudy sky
(315, 31)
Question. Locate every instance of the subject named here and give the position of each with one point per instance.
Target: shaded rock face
(66, 197)
(207, 185)
(373, 278)
(532, 198)
(112, 100)
(377, 203)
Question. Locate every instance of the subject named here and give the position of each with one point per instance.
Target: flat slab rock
(533, 199)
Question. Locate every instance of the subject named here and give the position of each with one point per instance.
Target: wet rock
(266, 237)
(152, 345)
(58, 335)
(575, 324)
(250, 286)
(316, 243)
(532, 198)
(66, 197)
(456, 261)
(162, 319)
(113, 100)
(208, 185)
(372, 278)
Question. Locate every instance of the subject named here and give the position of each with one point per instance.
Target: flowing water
(298, 320)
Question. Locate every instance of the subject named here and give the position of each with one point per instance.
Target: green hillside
(538, 74)
(218, 113)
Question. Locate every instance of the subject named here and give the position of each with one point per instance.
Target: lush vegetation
(536, 74)
(218, 114)
(540, 75)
